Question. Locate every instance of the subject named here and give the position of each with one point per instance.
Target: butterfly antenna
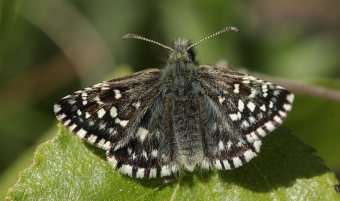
(134, 36)
(226, 29)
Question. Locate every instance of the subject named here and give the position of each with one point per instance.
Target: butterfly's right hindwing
(150, 153)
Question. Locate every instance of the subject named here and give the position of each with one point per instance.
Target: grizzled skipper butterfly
(156, 122)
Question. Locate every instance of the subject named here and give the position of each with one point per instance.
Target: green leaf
(68, 169)
(316, 121)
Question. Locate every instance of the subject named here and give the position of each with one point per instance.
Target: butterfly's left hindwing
(106, 114)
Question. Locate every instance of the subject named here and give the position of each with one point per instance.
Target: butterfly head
(181, 52)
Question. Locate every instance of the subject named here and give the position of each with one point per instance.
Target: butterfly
(158, 122)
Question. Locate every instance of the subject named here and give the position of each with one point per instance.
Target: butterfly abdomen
(187, 131)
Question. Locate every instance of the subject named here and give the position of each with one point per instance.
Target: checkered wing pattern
(116, 116)
(239, 111)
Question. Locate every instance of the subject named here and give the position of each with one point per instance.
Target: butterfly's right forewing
(104, 115)
(128, 118)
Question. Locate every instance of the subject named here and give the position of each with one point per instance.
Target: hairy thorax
(180, 89)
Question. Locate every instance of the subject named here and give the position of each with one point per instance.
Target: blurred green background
(50, 48)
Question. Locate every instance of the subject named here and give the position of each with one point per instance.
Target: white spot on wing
(237, 162)
(165, 171)
(67, 122)
(277, 92)
(270, 126)
(140, 173)
(252, 119)
(236, 88)
(71, 102)
(233, 117)
(97, 99)
(240, 105)
(145, 154)
(226, 165)
(252, 93)
(92, 139)
(112, 160)
(252, 137)
(118, 95)
(102, 126)
(263, 108)
(245, 81)
(81, 133)
(129, 150)
(136, 105)
(127, 169)
(239, 115)
(282, 114)
(287, 107)
(251, 106)
(221, 145)
(249, 154)
(220, 99)
(153, 173)
(68, 96)
(98, 85)
(245, 124)
(107, 145)
(73, 127)
(56, 108)
(123, 123)
(257, 145)
(154, 153)
(218, 164)
(101, 143)
(278, 119)
(205, 164)
(61, 117)
(113, 112)
(290, 98)
(142, 133)
(261, 132)
(264, 89)
(229, 143)
(101, 113)
(251, 78)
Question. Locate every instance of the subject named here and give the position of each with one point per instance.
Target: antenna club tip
(235, 29)
(128, 36)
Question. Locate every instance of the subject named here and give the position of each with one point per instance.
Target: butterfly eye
(192, 54)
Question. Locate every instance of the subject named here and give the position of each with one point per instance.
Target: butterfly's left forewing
(242, 110)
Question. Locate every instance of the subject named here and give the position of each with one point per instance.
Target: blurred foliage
(51, 48)
(66, 168)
